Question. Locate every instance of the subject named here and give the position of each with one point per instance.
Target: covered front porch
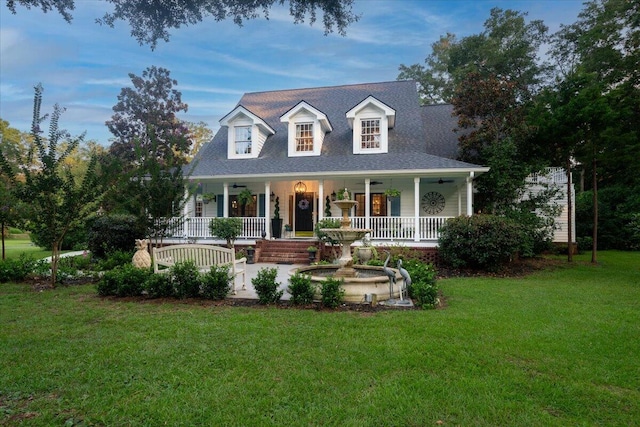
(415, 215)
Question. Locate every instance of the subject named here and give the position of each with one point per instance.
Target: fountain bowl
(368, 280)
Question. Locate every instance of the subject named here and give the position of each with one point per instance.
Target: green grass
(15, 247)
(555, 348)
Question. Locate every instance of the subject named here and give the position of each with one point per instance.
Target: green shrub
(186, 279)
(159, 286)
(79, 262)
(115, 259)
(266, 286)
(584, 243)
(123, 281)
(332, 292)
(481, 242)
(301, 289)
(425, 295)
(113, 233)
(420, 272)
(16, 270)
(216, 283)
(226, 228)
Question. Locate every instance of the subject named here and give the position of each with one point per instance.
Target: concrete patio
(284, 271)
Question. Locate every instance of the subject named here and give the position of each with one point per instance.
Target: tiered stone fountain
(360, 281)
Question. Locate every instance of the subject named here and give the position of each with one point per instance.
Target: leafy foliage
(226, 228)
(186, 279)
(266, 286)
(301, 289)
(332, 292)
(16, 270)
(483, 242)
(116, 232)
(55, 201)
(216, 283)
(152, 21)
(123, 281)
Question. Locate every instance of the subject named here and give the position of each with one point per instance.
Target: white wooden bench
(204, 257)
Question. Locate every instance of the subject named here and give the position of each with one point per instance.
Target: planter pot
(312, 257)
(364, 254)
(276, 228)
(250, 255)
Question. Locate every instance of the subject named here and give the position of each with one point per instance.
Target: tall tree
(56, 202)
(149, 108)
(199, 134)
(150, 151)
(507, 49)
(592, 113)
(151, 21)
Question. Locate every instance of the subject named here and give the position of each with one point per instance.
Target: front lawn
(555, 348)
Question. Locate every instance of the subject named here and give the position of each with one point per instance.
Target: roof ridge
(330, 87)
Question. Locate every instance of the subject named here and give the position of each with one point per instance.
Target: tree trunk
(2, 230)
(594, 249)
(569, 212)
(55, 256)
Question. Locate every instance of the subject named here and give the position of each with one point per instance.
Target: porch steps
(284, 251)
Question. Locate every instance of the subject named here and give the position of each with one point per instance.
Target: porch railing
(401, 227)
(383, 228)
(198, 228)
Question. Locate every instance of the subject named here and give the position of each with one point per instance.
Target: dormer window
(304, 137)
(243, 139)
(306, 129)
(371, 120)
(246, 135)
(370, 134)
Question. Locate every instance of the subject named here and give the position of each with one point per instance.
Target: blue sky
(83, 65)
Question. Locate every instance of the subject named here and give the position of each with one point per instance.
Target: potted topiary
(276, 221)
(311, 250)
(366, 251)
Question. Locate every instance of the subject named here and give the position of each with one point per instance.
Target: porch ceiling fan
(440, 181)
(238, 185)
(374, 183)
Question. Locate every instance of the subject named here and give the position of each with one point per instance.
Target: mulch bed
(518, 268)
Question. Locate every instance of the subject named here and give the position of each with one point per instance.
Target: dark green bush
(216, 283)
(16, 270)
(111, 233)
(186, 279)
(266, 286)
(332, 292)
(481, 242)
(159, 286)
(123, 281)
(115, 259)
(424, 295)
(301, 289)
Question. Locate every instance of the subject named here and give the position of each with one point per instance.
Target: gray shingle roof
(421, 139)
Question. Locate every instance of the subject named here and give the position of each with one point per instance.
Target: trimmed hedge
(481, 242)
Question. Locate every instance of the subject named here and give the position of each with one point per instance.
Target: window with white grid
(199, 209)
(370, 134)
(243, 139)
(304, 137)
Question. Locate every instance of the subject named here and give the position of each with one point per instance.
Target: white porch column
(185, 213)
(367, 204)
(225, 200)
(416, 209)
(470, 194)
(320, 200)
(459, 200)
(267, 209)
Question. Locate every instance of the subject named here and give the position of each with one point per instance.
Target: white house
(298, 148)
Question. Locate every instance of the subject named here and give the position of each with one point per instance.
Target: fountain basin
(368, 280)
